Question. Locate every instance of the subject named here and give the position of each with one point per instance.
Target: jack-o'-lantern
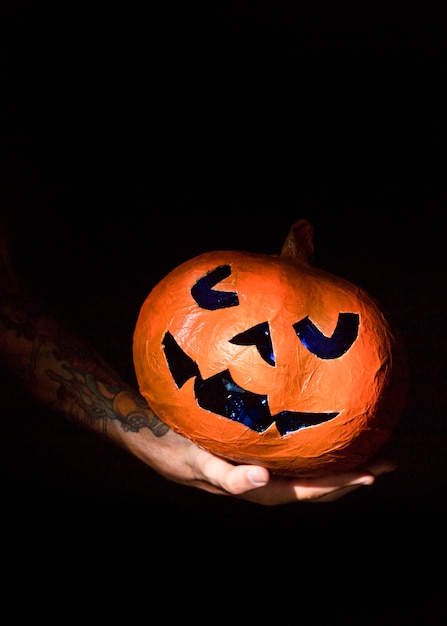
(267, 359)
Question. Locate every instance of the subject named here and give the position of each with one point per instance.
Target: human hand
(180, 460)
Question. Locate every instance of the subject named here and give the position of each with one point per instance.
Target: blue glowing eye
(212, 299)
(333, 347)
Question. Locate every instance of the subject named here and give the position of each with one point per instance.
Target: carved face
(266, 359)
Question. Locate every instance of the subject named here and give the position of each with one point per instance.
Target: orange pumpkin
(266, 359)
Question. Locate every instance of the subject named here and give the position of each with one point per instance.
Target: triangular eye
(332, 347)
(258, 336)
(181, 365)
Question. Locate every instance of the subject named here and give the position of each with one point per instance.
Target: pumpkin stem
(298, 244)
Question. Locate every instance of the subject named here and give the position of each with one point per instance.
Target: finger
(332, 495)
(254, 483)
(381, 466)
(327, 489)
(231, 479)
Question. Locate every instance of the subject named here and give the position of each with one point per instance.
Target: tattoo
(99, 401)
(88, 389)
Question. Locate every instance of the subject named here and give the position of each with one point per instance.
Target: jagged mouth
(222, 396)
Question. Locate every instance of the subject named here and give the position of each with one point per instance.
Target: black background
(133, 138)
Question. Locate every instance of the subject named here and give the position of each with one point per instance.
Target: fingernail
(363, 480)
(257, 477)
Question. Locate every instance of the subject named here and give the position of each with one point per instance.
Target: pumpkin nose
(258, 336)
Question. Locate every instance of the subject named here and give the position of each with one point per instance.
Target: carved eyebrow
(213, 299)
(332, 347)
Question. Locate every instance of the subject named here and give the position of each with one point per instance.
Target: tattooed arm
(66, 374)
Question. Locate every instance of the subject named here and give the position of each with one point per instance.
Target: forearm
(65, 374)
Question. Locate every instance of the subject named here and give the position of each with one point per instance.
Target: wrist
(133, 414)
